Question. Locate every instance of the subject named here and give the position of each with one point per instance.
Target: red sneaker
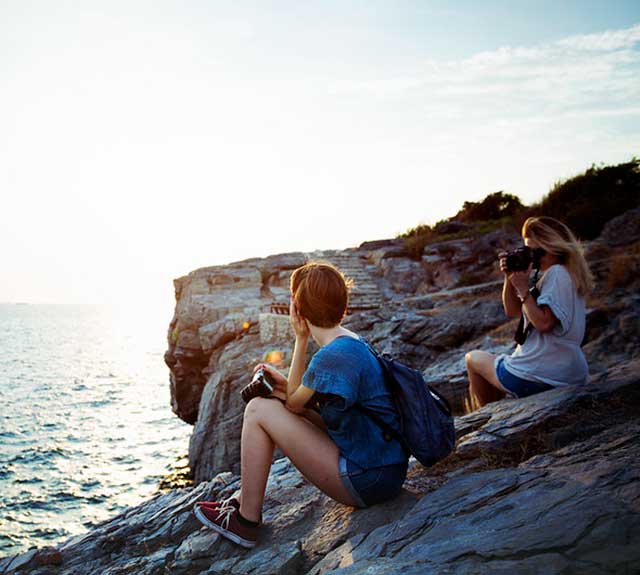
(215, 504)
(225, 520)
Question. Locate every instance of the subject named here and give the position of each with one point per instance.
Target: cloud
(604, 41)
(594, 73)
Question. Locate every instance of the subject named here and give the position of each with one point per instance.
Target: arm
(297, 394)
(541, 317)
(510, 301)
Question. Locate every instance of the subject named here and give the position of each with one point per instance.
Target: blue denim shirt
(342, 373)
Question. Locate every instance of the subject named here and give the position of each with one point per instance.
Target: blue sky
(141, 140)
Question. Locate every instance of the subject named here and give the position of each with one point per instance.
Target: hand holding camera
(521, 259)
(267, 381)
(517, 266)
(262, 385)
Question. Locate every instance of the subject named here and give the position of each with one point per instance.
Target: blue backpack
(426, 424)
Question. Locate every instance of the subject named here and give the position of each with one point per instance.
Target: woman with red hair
(343, 452)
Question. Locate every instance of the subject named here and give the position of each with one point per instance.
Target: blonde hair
(557, 239)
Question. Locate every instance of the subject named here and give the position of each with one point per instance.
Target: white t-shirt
(554, 357)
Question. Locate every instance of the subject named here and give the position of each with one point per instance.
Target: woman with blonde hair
(342, 451)
(553, 313)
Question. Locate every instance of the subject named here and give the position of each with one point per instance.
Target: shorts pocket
(378, 484)
(366, 478)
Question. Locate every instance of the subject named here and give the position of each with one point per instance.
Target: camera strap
(521, 333)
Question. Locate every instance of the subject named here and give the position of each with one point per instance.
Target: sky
(141, 140)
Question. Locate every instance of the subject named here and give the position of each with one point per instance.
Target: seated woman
(342, 452)
(550, 356)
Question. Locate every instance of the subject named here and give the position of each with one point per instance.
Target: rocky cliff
(412, 308)
(425, 312)
(548, 484)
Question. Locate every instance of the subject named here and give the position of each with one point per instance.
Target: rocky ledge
(549, 484)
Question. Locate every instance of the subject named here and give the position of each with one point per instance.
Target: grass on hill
(585, 203)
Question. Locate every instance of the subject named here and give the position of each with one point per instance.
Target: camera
(518, 260)
(261, 385)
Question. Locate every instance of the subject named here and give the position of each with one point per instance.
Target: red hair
(321, 293)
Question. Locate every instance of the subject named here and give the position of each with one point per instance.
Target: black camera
(518, 260)
(261, 385)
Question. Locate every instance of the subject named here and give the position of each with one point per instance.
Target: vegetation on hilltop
(588, 201)
(585, 202)
(494, 207)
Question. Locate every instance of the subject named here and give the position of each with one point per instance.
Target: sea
(86, 428)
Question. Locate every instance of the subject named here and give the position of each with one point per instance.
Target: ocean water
(86, 427)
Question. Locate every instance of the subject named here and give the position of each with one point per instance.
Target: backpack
(426, 424)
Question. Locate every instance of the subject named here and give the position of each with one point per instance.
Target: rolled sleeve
(557, 293)
(325, 376)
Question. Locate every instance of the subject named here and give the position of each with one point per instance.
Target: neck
(547, 261)
(324, 335)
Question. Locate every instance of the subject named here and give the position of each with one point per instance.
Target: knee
(258, 407)
(469, 357)
(254, 408)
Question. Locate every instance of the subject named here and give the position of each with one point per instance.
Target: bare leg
(310, 417)
(484, 386)
(315, 418)
(268, 423)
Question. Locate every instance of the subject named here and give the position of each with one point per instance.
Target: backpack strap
(389, 432)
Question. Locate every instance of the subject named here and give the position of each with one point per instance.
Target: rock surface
(222, 326)
(549, 484)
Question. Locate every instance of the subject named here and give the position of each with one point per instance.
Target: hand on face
(298, 323)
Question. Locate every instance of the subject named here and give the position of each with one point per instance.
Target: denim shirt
(342, 373)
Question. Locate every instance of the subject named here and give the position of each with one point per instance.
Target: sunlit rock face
(214, 307)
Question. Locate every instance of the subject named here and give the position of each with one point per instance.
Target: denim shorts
(516, 385)
(369, 486)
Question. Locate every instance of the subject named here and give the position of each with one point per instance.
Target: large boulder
(622, 230)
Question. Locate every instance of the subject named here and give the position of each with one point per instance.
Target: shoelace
(225, 511)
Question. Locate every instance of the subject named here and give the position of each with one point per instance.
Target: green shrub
(494, 207)
(415, 246)
(585, 203)
(416, 239)
(588, 201)
(418, 231)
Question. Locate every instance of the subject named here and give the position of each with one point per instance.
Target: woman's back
(343, 373)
